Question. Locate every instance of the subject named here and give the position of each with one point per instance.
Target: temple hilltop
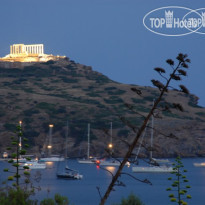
(28, 53)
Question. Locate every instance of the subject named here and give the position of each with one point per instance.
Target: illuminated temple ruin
(27, 53)
(21, 49)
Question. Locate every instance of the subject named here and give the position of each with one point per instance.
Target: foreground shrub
(18, 196)
(131, 200)
(59, 200)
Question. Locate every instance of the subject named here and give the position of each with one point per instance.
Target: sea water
(95, 181)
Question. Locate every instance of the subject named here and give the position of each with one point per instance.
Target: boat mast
(66, 145)
(111, 132)
(111, 145)
(152, 134)
(88, 154)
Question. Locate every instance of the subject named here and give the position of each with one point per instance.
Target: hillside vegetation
(61, 91)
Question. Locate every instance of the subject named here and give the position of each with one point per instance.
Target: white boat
(151, 169)
(202, 164)
(154, 163)
(51, 159)
(108, 162)
(34, 165)
(88, 159)
(161, 160)
(20, 160)
(5, 155)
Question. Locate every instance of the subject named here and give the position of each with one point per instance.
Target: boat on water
(202, 164)
(155, 165)
(51, 159)
(5, 155)
(151, 169)
(108, 162)
(88, 159)
(49, 156)
(34, 164)
(69, 174)
(161, 160)
(20, 160)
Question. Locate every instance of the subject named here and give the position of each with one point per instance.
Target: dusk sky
(108, 35)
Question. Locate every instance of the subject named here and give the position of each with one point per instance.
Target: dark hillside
(54, 92)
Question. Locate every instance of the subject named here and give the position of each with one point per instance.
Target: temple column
(42, 49)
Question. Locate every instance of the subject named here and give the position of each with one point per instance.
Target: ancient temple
(27, 53)
(19, 49)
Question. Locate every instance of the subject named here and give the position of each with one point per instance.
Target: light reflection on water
(84, 192)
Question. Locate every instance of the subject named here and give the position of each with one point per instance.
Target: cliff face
(60, 91)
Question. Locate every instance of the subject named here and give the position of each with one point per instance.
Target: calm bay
(85, 192)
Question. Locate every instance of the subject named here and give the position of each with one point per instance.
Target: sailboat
(110, 161)
(202, 164)
(34, 164)
(51, 158)
(88, 159)
(68, 173)
(154, 163)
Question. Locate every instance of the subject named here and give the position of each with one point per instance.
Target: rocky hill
(60, 91)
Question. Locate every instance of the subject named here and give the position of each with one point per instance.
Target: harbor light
(110, 146)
